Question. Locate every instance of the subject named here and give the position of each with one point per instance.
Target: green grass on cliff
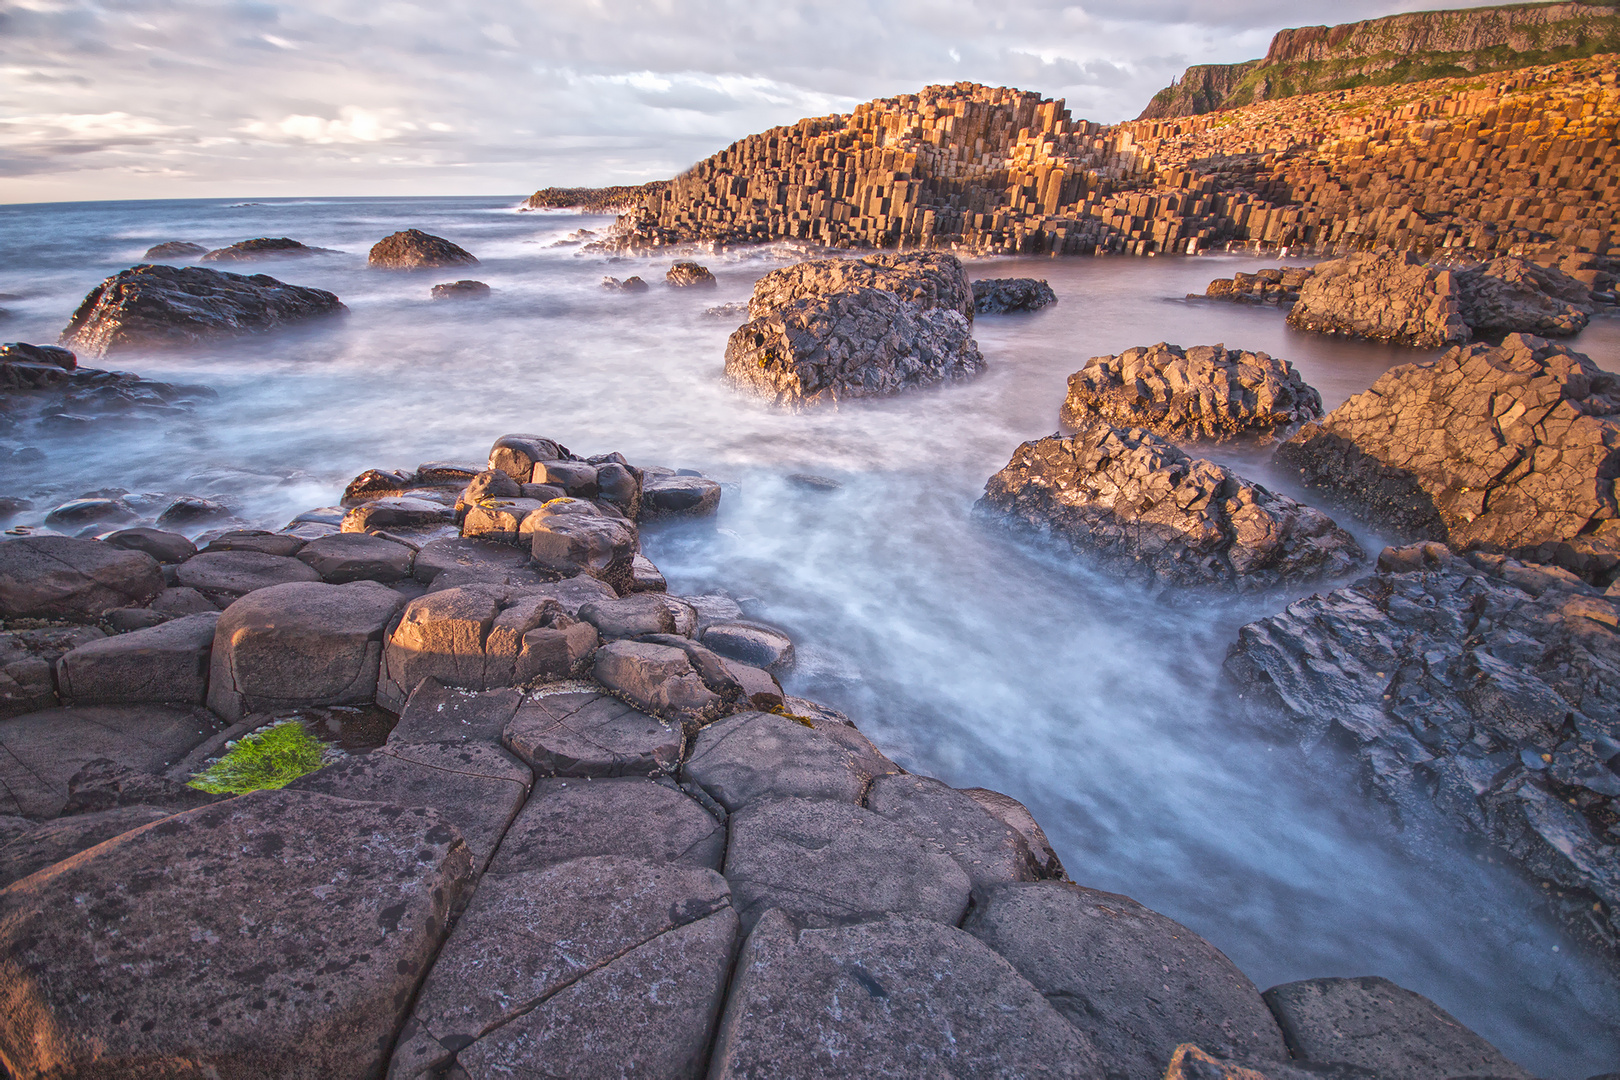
(264, 760)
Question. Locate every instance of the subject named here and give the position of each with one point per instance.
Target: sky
(142, 99)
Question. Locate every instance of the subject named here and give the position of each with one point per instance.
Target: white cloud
(353, 125)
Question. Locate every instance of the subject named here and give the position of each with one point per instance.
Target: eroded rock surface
(998, 296)
(414, 249)
(924, 279)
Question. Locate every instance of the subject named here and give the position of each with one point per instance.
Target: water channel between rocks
(963, 652)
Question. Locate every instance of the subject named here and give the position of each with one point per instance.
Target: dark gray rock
(28, 665)
(259, 540)
(952, 823)
(691, 496)
(105, 784)
(1016, 815)
(568, 543)
(470, 558)
(629, 817)
(57, 577)
(1135, 982)
(307, 643)
(49, 843)
(349, 557)
(998, 296)
(900, 997)
(436, 713)
(148, 307)
(576, 478)
(658, 679)
(281, 933)
(630, 284)
(78, 513)
(229, 574)
(619, 485)
(758, 755)
(181, 600)
(498, 520)
(168, 662)
(582, 733)
(1373, 1023)
(376, 484)
(645, 577)
(264, 247)
(165, 547)
(465, 289)
(828, 863)
(414, 249)
(759, 646)
(405, 512)
(637, 614)
(177, 250)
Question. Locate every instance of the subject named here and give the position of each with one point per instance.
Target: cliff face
(1204, 88)
(1404, 48)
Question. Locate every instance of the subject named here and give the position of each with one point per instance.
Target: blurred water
(963, 652)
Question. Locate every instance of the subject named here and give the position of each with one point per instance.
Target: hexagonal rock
(516, 455)
(498, 519)
(468, 556)
(350, 557)
(952, 823)
(165, 547)
(636, 614)
(1372, 1023)
(900, 997)
(168, 662)
(436, 713)
(475, 787)
(830, 863)
(757, 755)
(276, 934)
(628, 816)
(527, 937)
(581, 733)
(58, 577)
(569, 543)
(692, 496)
(265, 543)
(396, 513)
(301, 644)
(759, 646)
(1017, 815)
(228, 574)
(49, 843)
(657, 678)
(1135, 982)
(40, 752)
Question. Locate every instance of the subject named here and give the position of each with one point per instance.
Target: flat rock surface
(237, 573)
(899, 997)
(49, 843)
(1206, 392)
(307, 924)
(631, 817)
(167, 662)
(757, 755)
(952, 823)
(349, 557)
(1143, 508)
(436, 713)
(1135, 982)
(469, 556)
(828, 863)
(582, 733)
(44, 750)
(27, 664)
(50, 577)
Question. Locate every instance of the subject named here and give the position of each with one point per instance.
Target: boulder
(645, 577)
(1205, 392)
(300, 644)
(619, 485)
(1133, 981)
(1143, 508)
(998, 296)
(629, 284)
(498, 520)
(491, 484)
(77, 513)
(168, 662)
(1509, 448)
(347, 557)
(583, 733)
(265, 247)
(926, 280)
(759, 755)
(57, 577)
(465, 289)
(1385, 297)
(44, 750)
(828, 863)
(692, 496)
(396, 513)
(225, 575)
(657, 679)
(148, 307)
(568, 543)
(630, 817)
(759, 646)
(178, 250)
(376, 484)
(1512, 296)
(265, 543)
(48, 843)
(281, 933)
(513, 984)
(181, 600)
(468, 558)
(165, 547)
(637, 614)
(21, 352)
(952, 823)
(453, 474)
(683, 275)
(897, 997)
(1016, 815)
(1375, 1025)
(576, 478)
(1274, 285)
(414, 249)
(1479, 683)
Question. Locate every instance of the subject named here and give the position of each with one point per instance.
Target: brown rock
(414, 249)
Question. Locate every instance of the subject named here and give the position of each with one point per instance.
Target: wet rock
(1482, 684)
(1512, 296)
(657, 679)
(168, 662)
(1204, 392)
(570, 543)
(189, 509)
(998, 296)
(713, 608)
(349, 557)
(309, 921)
(758, 687)
(582, 733)
(620, 485)
(28, 665)
(520, 979)
(78, 513)
(1376, 1025)
(20, 352)
(465, 289)
(395, 513)
(516, 455)
(1016, 815)
(828, 863)
(684, 275)
(377, 484)
(628, 817)
(148, 307)
(165, 547)
(693, 496)
(265, 543)
(1275, 285)
(179, 250)
(56, 577)
(1385, 297)
(44, 750)
(1133, 981)
(629, 284)
(926, 280)
(50, 842)
(229, 574)
(106, 784)
(414, 249)
(759, 646)
(265, 247)
(1143, 508)
(953, 824)
(305, 643)
(758, 755)
(903, 996)
(1506, 448)
(446, 473)
(645, 577)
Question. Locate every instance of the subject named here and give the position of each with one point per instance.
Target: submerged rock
(998, 296)
(1277, 285)
(629, 284)
(1202, 392)
(465, 289)
(173, 249)
(1144, 508)
(684, 275)
(414, 249)
(264, 247)
(166, 306)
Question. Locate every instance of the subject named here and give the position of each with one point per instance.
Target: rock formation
(414, 249)
(1142, 508)
(997, 296)
(608, 200)
(831, 329)
(684, 275)
(1202, 88)
(465, 289)
(174, 249)
(147, 307)
(629, 284)
(263, 248)
(1203, 392)
(1272, 285)
(1509, 449)
(1483, 684)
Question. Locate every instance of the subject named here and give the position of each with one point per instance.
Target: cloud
(353, 125)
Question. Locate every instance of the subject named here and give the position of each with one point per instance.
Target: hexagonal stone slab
(436, 713)
(629, 816)
(950, 822)
(899, 997)
(167, 662)
(1136, 982)
(583, 733)
(345, 557)
(529, 935)
(59, 577)
(281, 933)
(828, 863)
(236, 573)
(758, 755)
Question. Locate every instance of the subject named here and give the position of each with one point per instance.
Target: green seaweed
(261, 761)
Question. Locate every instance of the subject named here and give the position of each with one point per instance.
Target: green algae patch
(263, 760)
